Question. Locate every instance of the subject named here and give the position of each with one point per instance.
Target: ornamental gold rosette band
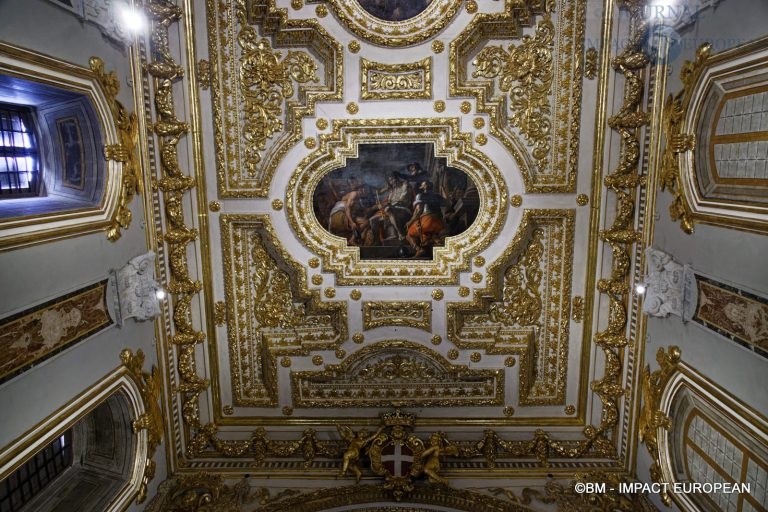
(342, 145)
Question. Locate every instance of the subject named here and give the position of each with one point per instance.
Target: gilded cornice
(174, 184)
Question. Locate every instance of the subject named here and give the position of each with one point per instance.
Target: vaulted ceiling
(513, 336)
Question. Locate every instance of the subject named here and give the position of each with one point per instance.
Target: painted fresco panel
(733, 313)
(32, 336)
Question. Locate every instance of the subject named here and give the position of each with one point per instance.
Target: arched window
(83, 457)
(714, 438)
(82, 469)
(36, 474)
(19, 154)
(55, 123)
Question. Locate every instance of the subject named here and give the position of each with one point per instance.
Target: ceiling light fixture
(133, 19)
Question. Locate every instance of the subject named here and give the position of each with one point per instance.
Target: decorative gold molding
(397, 373)
(125, 151)
(266, 82)
(590, 63)
(342, 144)
(677, 142)
(400, 33)
(407, 314)
(271, 311)
(620, 236)
(150, 387)
(519, 312)
(526, 72)
(652, 419)
(408, 81)
(174, 184)
(546, 167)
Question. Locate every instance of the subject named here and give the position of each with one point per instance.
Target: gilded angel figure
(356, 443)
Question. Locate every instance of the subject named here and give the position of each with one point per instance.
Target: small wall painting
(72, 154)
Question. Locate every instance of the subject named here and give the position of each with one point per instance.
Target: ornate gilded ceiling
(284, 327)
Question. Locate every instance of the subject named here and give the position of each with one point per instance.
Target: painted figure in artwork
(370, 201)
(349, 216)
(394, 202)
(425, 228)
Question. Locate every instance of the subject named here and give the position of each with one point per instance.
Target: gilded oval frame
(408, 32)
(447, 261)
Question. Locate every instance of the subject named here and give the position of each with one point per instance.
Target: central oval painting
(394, 10)
(396, 201)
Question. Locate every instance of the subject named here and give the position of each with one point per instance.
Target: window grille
(27, 481)
(19, 155)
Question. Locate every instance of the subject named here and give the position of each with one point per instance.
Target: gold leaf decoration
(675, 110)
(266, 81)
(526, 72)
(125, 151)
(150, 388)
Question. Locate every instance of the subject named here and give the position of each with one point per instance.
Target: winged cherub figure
(356, 443)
